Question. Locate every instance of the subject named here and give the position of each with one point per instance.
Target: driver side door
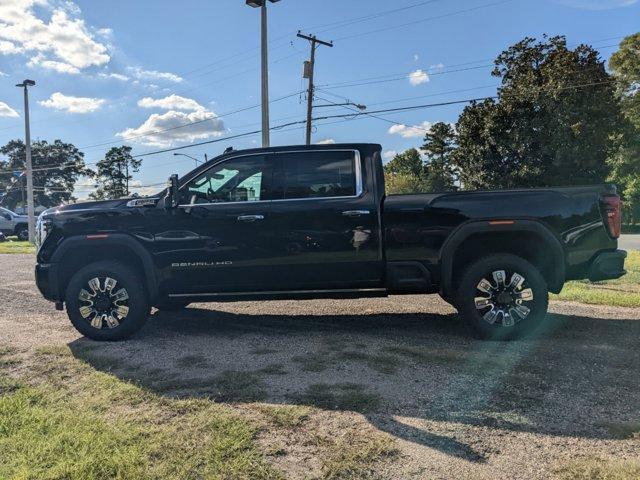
(221, 237)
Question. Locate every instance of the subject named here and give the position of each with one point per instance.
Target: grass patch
(356, 459)
(238, 386)
(621, 292)
(87, 424)
(594, 468)
(11, 246)
(313, 362)
(191, 361)
(341, 396)
(273, 369)
(287, 416)
(623, 431)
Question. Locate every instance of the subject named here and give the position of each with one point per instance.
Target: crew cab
(302, 222)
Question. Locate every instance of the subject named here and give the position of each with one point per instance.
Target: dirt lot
(454, 407)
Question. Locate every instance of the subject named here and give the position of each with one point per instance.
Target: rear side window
(318, 174)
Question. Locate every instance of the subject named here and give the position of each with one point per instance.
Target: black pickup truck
(314, 222)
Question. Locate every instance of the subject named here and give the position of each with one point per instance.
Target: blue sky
(118, 71)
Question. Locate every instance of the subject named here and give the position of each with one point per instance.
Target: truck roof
(285, 148)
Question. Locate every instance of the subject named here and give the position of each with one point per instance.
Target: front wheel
(107, 301)
(503, 296)
(23, 234)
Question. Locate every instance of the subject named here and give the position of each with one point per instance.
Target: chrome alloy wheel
(502, 303)
(102, 305)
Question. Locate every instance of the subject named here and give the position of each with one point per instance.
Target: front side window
(318, 174)
(242, 179)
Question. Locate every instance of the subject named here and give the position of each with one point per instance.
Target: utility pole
(262, 4)
(27, 140)
(308, 73)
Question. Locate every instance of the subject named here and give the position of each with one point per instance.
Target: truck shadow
(406, 373)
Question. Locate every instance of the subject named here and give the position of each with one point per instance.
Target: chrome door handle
(355, 213)
(250, 218)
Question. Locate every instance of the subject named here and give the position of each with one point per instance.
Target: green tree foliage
(439, 144)
(62, 162)
(114, 173)
(404, 173)
(551, 124)
(625, 161)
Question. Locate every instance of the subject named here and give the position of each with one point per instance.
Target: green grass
(72, 422)
(622, 292)
(597, 469)
(11, 246)
(341, 396)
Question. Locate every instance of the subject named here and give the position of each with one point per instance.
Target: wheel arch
(75, 252)
(538, 245)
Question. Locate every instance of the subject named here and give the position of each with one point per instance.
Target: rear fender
(466, 230)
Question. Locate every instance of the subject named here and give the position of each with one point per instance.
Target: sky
(159, 74)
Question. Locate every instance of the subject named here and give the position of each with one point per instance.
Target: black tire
(500, 302)
(23, 233)
(171, 305)
(136, 301)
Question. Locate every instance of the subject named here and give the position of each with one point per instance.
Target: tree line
(559, 118)
(57, 167)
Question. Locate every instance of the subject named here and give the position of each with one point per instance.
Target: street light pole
(262, 4)
(27, 140)
(189, 156)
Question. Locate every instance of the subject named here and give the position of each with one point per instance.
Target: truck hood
(97, 205)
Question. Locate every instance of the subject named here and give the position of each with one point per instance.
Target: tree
(625, 161)
(405, 173)
(439, 143)
(114, 173)
(552, 122)
(56, 168)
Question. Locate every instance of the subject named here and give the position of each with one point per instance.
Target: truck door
(325, 221)
(220, 237)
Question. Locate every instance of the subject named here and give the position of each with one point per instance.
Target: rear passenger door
(325, 221)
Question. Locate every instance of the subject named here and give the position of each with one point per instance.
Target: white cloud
(416, 57)
(69, 104)
(136, 186)
(2, 74)
(169, 128)
(141, 74)
(328, 141)
(172, 102)
(7, 48)
(389, 154)
(411, 131)
(63, 43)
(437, 66)
(418, 77)
(115, 76)
(7, 111)
(61, 67)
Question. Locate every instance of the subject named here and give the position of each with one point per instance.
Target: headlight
(42, 230)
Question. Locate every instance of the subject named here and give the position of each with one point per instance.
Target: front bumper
(47, 281)
(607, 265)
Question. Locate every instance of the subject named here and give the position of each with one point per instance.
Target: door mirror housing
(171, 199)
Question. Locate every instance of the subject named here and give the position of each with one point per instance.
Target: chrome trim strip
(276, 292)
(358, 174)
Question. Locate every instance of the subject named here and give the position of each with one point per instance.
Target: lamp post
(27, 141)
(262, 4)
(189, 156)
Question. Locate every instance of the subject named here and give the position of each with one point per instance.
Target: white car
(13, 224)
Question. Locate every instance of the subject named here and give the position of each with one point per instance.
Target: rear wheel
(107, 301)
(502, 297)
(23, 233)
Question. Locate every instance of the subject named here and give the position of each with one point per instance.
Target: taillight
(612, 211)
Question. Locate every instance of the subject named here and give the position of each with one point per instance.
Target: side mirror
(171, 199)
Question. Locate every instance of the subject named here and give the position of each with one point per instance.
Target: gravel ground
(457, 407)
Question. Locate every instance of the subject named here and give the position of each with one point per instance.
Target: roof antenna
(227, 150)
